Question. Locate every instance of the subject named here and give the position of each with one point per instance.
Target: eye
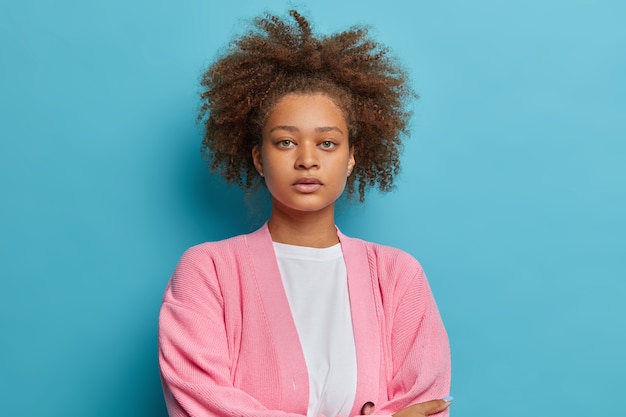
(285, 143)
(327, 144)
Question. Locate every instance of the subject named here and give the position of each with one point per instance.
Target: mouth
(307, 185)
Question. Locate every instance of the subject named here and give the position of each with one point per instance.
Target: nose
(307, 156)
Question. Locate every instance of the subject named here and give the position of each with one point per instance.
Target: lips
(307, 185)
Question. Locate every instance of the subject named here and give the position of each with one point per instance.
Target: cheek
(272, 172)
(271, 166)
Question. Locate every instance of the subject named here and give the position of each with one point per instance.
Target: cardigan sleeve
(420, 352)
(194, 353)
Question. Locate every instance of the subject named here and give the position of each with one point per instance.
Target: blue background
(513, 192)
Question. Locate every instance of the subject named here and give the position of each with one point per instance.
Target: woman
(295, 318)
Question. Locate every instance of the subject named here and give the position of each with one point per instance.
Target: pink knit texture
(228, 345)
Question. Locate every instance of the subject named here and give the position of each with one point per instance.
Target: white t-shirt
(316, 285)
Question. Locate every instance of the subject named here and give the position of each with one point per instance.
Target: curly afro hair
(277, 57)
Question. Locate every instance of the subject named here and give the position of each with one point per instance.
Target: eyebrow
(294, 129)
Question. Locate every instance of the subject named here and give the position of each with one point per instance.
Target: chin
(310, 207)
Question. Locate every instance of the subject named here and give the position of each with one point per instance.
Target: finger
(432, 407)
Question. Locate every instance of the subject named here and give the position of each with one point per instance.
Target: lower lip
(307, 188)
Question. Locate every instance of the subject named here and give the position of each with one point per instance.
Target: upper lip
(307, 180)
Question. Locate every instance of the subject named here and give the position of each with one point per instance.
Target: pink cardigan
(228, 345)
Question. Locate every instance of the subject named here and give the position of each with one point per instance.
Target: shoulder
(393, 272)
(211, 269)
(223, 250)
(212, 249)
(219, 263)
(397, 278)
(381, 254)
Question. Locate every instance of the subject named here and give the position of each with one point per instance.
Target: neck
(316, 230)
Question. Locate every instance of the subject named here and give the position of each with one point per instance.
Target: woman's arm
(420, 352)
(194, 354)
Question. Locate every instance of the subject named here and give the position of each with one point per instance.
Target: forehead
(306, 109)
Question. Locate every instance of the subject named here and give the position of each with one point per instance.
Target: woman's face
(304, 155)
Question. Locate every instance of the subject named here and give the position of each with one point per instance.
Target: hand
(415, 410)
(423, 409)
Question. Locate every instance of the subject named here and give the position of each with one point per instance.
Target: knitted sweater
(228, 345)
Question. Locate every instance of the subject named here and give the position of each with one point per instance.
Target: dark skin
(305, 139)
(416, 410)
(281, 56)
(306, 136)
(285, 58)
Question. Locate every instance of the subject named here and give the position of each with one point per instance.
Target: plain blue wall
(512, 196)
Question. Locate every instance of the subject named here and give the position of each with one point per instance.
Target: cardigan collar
(362, 303)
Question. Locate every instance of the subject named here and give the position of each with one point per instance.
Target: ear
(351, 161)
(257, 158)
